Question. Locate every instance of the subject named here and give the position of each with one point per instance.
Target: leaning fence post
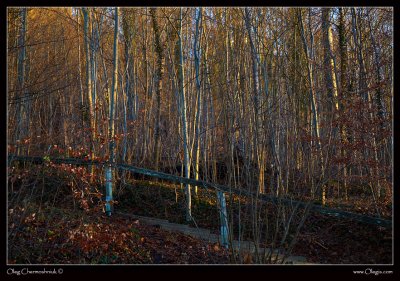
(223, 218)
(108, 189)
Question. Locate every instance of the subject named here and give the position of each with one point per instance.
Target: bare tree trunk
(363, 87)
(183, 110)
(365, 93)
(21, 69)
(257, 104)
(330, 74)
(89, 83)
(82, 99)
(158, 85)
(378, 71)
(309, 57)
(330, 77)
(111, 133)
(197, 55)
(344, 87)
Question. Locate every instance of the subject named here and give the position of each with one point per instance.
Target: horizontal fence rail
(203, 184)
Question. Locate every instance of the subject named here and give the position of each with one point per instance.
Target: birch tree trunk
(183, 110)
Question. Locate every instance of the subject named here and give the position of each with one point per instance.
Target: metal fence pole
(223, 218)
(108, 189)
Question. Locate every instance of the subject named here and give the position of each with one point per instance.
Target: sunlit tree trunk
(89, 83)
(330, 77)
(95, 45)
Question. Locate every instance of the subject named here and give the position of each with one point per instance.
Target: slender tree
(111, 130)
(197, 56)
(183, 115)
(22, 117)
(158, 85)
(309, 58)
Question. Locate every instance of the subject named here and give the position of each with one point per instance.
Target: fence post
(108, 189)
(223, 218)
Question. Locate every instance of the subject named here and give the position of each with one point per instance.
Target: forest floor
(62, 237)
(322, 239)
(53, 230)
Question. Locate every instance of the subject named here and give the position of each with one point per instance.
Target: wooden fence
(217, 187)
